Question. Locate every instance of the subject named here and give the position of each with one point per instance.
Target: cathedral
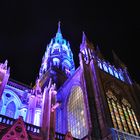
(96, 101)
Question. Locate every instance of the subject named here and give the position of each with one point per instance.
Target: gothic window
(65, 49)
(56, 62)
(10, 110)
(132, 117)
(100, 64)
(55, 49)
(37, 117)
(105, 67)
(110, 70)
(76, 113)
(121, 75)
(66, 67)
(116, 74)
(122, 115)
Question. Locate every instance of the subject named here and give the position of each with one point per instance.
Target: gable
(17, 131)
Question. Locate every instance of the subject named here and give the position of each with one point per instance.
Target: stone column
(48, 115)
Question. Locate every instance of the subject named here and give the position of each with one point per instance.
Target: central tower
(57, 62)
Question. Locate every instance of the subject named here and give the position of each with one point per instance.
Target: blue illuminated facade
(14, 100)
(96, 101)
(58, 54)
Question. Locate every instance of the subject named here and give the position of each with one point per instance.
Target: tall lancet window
(76, 113)
(10, 110)
(122, 115)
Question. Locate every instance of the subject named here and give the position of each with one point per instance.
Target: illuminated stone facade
(96, 101)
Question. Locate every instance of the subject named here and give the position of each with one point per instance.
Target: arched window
(76, 113)
(56, 62)
(122, 114)
(121, 75)
(100, 64)
(65, 49)
(37, 117)
(116, 74)
(105, 67)
(110, 70)
(55, 49)
(10, 110)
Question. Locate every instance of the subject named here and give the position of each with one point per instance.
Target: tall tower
(57, 61)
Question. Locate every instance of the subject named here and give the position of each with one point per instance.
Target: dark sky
(26, 27)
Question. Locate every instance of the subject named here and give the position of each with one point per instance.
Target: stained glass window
(121, 75)
(132, 121)
(100, 64)
(117, 115)
(112, 113)
(105, 67)
(116, 74)
(76, 113)
(132, 117)
(122, 115)
(110, 70)
(136, 121)
(128, 119)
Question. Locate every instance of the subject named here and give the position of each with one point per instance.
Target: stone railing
(33, 128)
(119, 135)
(6, 120)
(59, 136)
(29, 127)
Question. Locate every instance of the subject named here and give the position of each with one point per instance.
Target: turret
(86, 49)
(35, 105)
(4, 76)
(59, 57)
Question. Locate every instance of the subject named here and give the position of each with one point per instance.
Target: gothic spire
(59, 34)
(86, 42)
(117, 60)
(98, 52)
(84, 38)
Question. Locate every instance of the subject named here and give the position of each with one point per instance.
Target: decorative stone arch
(9, 96)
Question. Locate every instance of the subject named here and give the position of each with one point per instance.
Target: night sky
(26, 27)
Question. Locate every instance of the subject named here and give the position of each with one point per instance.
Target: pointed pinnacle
(59, 29)
(59, 34)
(117, 60)
(83, 37)
(97, 48)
